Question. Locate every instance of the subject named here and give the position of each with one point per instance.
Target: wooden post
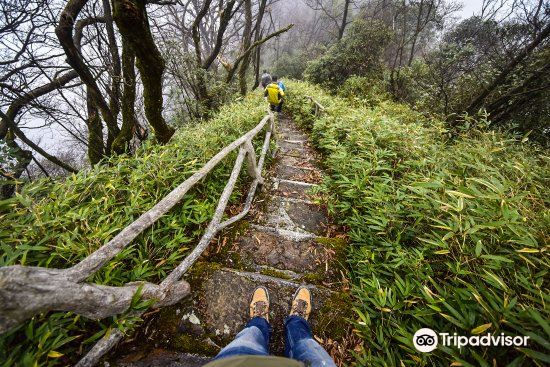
(252, 166)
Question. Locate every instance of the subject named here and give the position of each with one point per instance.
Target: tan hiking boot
(259, 306)
(301, 304)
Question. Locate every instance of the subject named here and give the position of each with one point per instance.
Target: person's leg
(300, 345)
(280, 106)
(299, 342)
(254, 338)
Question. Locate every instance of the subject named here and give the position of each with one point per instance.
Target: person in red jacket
(250, 347)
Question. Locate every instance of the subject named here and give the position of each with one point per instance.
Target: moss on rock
(332, 318)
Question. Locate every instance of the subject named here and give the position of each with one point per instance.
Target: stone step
(293, 214)
(293, 173)
(280, 273)
(291, 151)
(293, 189)
(298, 142)
(292, 136)
(294, 149)
(264, 248)
(218, 309)
(305, 162)
(297, 236)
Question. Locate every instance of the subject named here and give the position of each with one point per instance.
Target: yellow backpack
(274, 93)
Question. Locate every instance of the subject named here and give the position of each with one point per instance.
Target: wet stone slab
(292, 136)
(299, 142)
(297, 174)
(293, 190)
(293, 215)
(309, 217)
(292, 150)
(282, 253)
(226, 303)
(301, 162)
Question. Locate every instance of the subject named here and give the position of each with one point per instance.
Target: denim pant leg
(252, 340)
(300, 345)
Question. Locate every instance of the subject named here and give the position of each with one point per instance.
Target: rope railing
(26, 291)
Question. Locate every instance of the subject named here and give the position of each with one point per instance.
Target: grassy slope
(451, 235)
(55, 224)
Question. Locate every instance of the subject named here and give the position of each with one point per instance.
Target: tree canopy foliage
(357, 53)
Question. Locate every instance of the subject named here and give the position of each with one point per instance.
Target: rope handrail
(26, 291)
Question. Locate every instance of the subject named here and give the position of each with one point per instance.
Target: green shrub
(291, 65)
(357, 53)
(56, 224)
(446, 234)
(362, 90)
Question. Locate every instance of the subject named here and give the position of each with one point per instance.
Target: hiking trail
(285, 241)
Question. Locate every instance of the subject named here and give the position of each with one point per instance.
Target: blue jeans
(299, 342)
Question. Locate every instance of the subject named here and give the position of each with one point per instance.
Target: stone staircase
(285, 242)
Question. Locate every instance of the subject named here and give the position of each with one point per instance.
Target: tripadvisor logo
(426, 340)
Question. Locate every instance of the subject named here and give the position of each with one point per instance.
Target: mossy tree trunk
(129, 122)
(116, 72)
(133, 24)
(96, 147)
(203, 96)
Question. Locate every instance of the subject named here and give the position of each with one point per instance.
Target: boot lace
(260, 308)
(300, 308)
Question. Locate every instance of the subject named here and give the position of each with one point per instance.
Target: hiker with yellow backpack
(274, 94)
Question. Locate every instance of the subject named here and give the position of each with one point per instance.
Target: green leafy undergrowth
(446, 234)
(56, 224)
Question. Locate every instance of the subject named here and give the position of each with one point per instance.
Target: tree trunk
(257, 61)
(96, 147)
(225, 18)
(258, 34)
(247, 38)
(233, 69)
(133, 23)
(129, 123)
(421, 23)
(114, 100)
(344, 20)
